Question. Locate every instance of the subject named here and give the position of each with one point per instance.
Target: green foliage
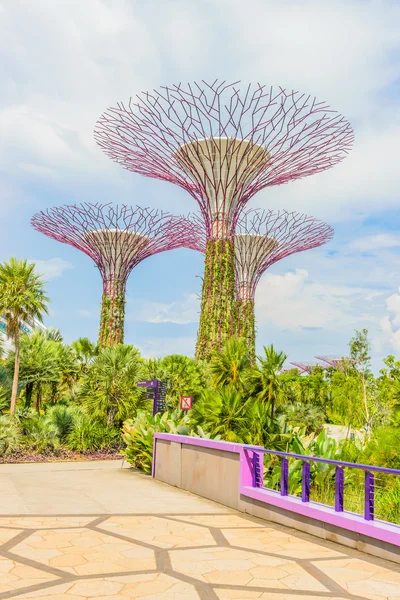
(138, 435)
(10, 435)
(112, 317)
(307, 416)
(218, 319)
(266, 380)
(222, 413)
(22, 299)
(231, 365)
(109, 391)
(89, 435)
(246, 325)
(184, 376)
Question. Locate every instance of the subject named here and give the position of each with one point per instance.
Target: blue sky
(63, 63)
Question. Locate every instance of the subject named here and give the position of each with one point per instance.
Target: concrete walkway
(74, 531)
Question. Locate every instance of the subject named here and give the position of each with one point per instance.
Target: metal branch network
(223, 142)
(117, 238)
(262, 238)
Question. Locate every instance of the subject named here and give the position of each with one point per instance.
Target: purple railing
(339, 477)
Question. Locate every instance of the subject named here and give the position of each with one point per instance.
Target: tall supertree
(223, 143)
(117, 238)
(262, 238)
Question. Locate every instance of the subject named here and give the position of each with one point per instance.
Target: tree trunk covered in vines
(246, 327)
(112, 318)
(218, 307)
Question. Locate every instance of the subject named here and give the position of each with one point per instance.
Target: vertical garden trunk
(246, 327)
(218, 307)
(112, 316)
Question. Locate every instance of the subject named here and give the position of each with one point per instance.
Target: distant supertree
(223, 143)
(337, 362)
(305, 366)
(262, 238)
(117, 238)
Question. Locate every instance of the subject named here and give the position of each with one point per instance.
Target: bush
(138, 435)
(41, 434)
(10, 435)
(88, 435)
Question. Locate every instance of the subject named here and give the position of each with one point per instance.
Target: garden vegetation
(60, 400)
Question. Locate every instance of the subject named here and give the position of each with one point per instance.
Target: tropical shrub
(109, 390)
(10, 435)
(88, 435)
(138, 435)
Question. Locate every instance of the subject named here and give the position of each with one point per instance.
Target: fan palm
(22, 299)
(184, 376)
(230, 365)
(85, 352)
(223, 413)
(39, 365)
(267, 382)
(109, 389)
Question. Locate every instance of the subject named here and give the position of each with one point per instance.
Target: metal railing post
(339, 489)
(305, 482)
(369, 496)
(284, 477)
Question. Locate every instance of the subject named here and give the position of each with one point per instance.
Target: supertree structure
(262, 238)
(223, 143)
(305, 366)
(117, 238)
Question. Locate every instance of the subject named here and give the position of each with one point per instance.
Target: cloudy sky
(62, 63)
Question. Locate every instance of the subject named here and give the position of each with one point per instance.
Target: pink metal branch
(117, 238)
(222, 142)
(262, 238)
(305, 367)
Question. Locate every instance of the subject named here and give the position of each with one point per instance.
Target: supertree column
(117, 238)
(223, 143)
(262, 238)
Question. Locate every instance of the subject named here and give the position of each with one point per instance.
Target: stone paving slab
(166, 544)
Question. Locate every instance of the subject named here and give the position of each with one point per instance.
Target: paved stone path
(108, 533)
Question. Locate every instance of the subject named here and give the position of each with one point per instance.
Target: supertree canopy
(223, 143)
(262, 238)
(117, 238)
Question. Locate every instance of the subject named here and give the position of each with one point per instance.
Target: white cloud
(159, 347)
(52, 267)
(293, 302)
(376, 242)
(180, 312)
(390, 324)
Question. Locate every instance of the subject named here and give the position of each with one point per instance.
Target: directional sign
(149, 396)
(186, 402)
(152, 383)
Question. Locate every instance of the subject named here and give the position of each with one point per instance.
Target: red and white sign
(186, 402)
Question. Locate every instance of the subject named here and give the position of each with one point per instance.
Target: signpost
(157, 391)
(186, 402)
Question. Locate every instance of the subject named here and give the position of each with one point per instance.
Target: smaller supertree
(305, 366)
(117, 238)
(261, 238)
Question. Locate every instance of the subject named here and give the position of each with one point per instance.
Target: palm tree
(266, 379)
(231, 365)
(109, 389)
(183, 375)
(223, 413)
(85, 352)
(22, 299)
(39, 365)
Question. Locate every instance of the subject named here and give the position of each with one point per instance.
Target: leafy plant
(138, 435)
(109, 391)
(10, 435)
(22, 299)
